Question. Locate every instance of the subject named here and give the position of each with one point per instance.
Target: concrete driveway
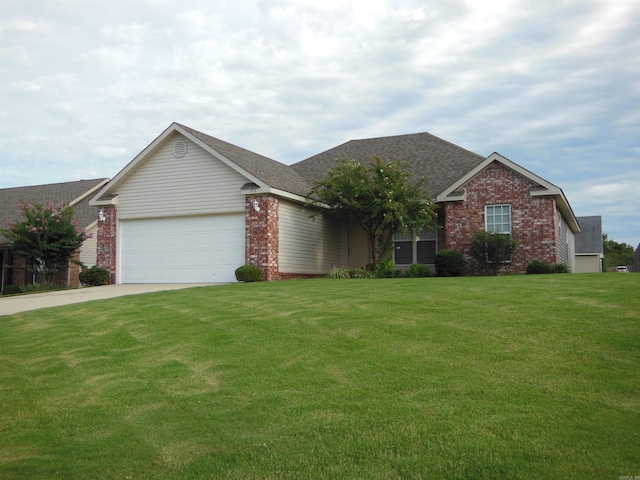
(23, 303)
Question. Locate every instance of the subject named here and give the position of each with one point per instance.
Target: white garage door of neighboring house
(201, 249)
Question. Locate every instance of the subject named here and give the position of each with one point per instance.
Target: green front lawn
(507, 377)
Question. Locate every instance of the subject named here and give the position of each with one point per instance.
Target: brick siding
(106, 248)
(262, 233)
(533, 218)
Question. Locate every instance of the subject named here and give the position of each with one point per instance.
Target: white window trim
(486, 214)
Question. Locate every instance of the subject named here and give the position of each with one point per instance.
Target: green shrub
(385, 268)
(450, 263)
(491, 250)
(418, 270)
(362, 273)
(538, 267)
(39, 287)
(11, 289)
(94, 276)
(342, 272)
(249, 273)
(560, 268)
(350, 272)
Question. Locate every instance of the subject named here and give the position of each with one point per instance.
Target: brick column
(262, 234)
(106, 249)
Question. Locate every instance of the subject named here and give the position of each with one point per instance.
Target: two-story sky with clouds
(553, 85)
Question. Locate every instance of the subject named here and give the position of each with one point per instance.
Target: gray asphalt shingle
(65, 192)
(440, 161)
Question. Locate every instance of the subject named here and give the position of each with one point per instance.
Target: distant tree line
(616, 253)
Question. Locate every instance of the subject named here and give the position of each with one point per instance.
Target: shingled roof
(66, 192)
(271, 172)
(429, 156)
(589, 240)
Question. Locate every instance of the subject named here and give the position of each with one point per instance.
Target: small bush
(39, 287)
(343, 272)
(538, 267)
(560, 268)
(249, 273)
(350, 272)
(450, 263)
(491, 250)
(94, 276)
(385, 268)
(11, 289)
(418, 270)
(362, 273)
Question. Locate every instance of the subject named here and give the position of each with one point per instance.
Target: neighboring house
(75, 194)
(589, 245)
(192, 208)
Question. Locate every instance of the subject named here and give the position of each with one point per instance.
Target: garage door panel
(182, 250)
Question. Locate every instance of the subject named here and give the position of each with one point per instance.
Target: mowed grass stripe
(507, 377)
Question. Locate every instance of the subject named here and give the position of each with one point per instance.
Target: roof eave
(563, 206)
(99, 199)
(451, 194)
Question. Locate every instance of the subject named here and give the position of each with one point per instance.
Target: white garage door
(182, 250)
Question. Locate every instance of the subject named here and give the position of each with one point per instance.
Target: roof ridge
(99, 179)
(198, 132)
(415, 135)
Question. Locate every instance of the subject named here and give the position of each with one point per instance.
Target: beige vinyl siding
(306, 245)
(89, 249)
(588, 263)
(165, 186)
(566, 243)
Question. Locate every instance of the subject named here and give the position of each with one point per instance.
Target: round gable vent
(179, 149)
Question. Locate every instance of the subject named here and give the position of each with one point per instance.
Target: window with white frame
(411, 248)
(497, 218)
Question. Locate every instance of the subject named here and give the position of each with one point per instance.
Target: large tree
(381, 197)
(46, 237)
(616, 253)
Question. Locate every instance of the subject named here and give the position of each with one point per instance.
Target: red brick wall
(262, 233)
(106, 249)
(533, 219)
(19, 271)
(68, 277)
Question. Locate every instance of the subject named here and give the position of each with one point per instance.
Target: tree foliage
(46, 237)
(379, 196)
(616, 253)
(491, 250)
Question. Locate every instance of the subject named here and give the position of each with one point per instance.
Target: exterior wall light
(256, 206)
(101, 216)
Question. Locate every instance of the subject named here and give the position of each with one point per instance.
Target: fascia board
(451, 198)
(174, 127)
(222, 158)
(549, 188)
(104, 203)
(446, 195)
(91, 225)
(282, 194)
(88, 192)
(123, 173)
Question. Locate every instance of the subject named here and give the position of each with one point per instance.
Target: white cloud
(26, 26)
(60, 81)
(127, 33)
(548, 84)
